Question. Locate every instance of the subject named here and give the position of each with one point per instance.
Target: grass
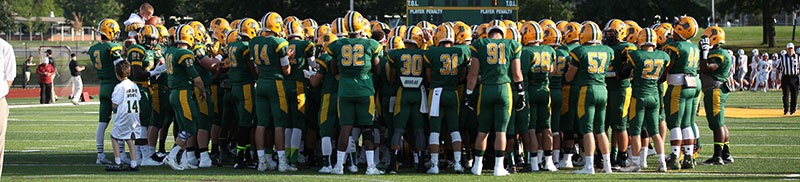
(57, 144)
(749, 38)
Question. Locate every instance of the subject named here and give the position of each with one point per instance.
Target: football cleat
(548, 164)
(173, 163)
(715, 160)
(325, 170)
(499, 171)
(353, 168)
(565, 163)
(262, 163)
(375, 171)
(125, 159)
(688, 162)
(585, 170)
(115, 167)
(283, 165)
(433, 170)
(205, 160)
(661, 167)
(150, 162)
(458, 168)
(727, 158)
(673, 163)
(128, 168)
(338, 170)
(631, 168)
(477, 168)
(102, 160)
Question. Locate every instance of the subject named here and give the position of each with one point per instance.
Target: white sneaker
(548, 164)
(75, 102)
(205, 160)
(585, 170)
(150, 162)
(477, 168)
(262, 163)
(433, 170)
(458, 168)
(534, 164)
(102, 159)
(271, 164)
(661, 167)
(374, 171)
(125, 159)
(643, 162)
(283, 165)
(651, 152)
(499, 171)
(606, 167)
(326, 170)
(469, 163)
(301, 158)
(173, 163)
(631, 168)
(338, 170)
(188, 165)
(192, 159)
(353, 168)
(566, 163)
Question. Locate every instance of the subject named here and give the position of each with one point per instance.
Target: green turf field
(56, 143)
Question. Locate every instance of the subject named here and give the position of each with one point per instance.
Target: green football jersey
(538, 61)
(723, 60)
(267, 53)
(386, 88)
(684, 56)
(139, 56)
(103, 56)
(567, 59)
(445, 64)
(560, 65)
(620, 56)
(647, 69)
(199, 51)
(494, 56)
(303, 49)
(330, 84)
(180, 68)
(158, 53)
(238, 57)
(408, 63)
(592, 62)
(354, 58)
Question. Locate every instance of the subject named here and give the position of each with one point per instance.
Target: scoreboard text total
(469, 11)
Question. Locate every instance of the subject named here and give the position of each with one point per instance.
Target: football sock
(676, 150)
(556, 155)
(174, 152)
(606, 160)
(539, 155)
(457, 157)
(434, 159)
(260, 153)
(99, 135)
(370, 155)
(589, 162)
(339, 158)
(297, 135)
(718, 148)
(498, 163)
(134, 163)
(118, 160)
(726, 149)
(281, 155)
(661, 158)
(635, 160)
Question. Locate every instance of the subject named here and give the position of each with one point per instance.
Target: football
(153, 20)
(209, 63)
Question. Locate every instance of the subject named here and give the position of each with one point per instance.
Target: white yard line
(50, 105)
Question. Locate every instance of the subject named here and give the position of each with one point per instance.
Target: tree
(7, 23)
(643, 12)
(539, 9)
(766, 8)
(80, 12)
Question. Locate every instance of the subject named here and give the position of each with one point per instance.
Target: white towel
(391, 103)
(423, 104)
(437, 94)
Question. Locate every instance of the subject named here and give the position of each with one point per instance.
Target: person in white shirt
(774, 76)
(136, 21)
(126, 119)
(762, 76)
(754, 67)
(741, 70)
(8, 71)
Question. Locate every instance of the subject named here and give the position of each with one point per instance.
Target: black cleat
(114, 167)
(715, 160)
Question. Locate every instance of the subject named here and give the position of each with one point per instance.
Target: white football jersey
(126, 96)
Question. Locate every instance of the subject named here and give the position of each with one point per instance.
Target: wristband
(285, 61)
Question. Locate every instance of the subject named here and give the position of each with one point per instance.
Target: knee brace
(434, 138)
(675, 134)
(688, 134)
(455, 136)
(396, 138)
(183, 135)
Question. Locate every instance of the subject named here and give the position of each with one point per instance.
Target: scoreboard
(469, 11)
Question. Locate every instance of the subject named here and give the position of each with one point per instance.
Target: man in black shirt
(77, 83)
(27, 71)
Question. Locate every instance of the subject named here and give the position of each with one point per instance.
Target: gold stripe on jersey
(511, 98)
(627, 104)
(214, 97)
(397, 100)
(201, 103)
(480, 96)
(301, 97)
(323, 113)
(582, 102)
(632, 109)
(717, 56)
(281, 45)
(675, 99)
(715, 98)
(248, 99)
(372, 105)
(187, 111)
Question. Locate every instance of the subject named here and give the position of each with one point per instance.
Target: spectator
(77, 83)
(137, 21)
(45, 72)
(790, 69)
(27, 70)
(52, 62)
(8, 71)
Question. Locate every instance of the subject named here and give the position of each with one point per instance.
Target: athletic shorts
(328, 115)
(590, 109)
(448, 111)
(679, 103)
(206, 109)
(406, 108)
(494, 107)
(272, 103)
(619, 100)
(185, 107)
(714, 102)
(245, 105)
(540, 108)
(643, 112)
(358, 111)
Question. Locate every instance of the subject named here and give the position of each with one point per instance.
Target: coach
(8, 71)
(790, 68)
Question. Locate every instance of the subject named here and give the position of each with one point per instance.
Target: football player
(645, 66)
(104, 56)
(537, 62)
(242, 74)
(497, 61)
(519, 120)
(571, 41)
(328, 115)
(353, 58)
(295, 87)
(406, 67)
(206, 107)
(715, 63)
(681, 94)
(388, 90)
(552, 38)
(619, 91)
(182, 77)
(142, 59)
(445, 66)
(467, 119)
(587, 72)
